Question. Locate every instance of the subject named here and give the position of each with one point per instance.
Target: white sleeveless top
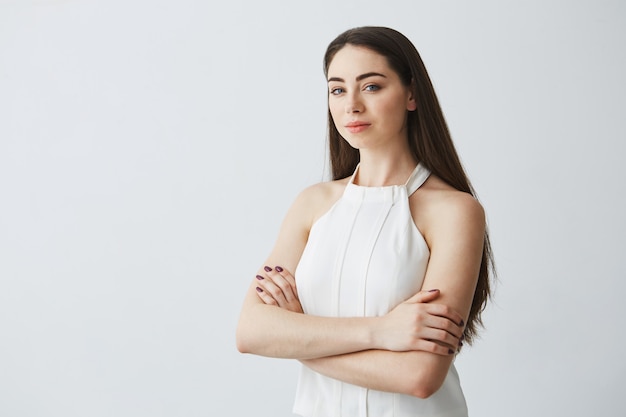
(363, 257)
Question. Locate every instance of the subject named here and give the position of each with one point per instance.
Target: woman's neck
(382, 171)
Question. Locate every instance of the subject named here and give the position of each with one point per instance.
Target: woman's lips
(356, 127)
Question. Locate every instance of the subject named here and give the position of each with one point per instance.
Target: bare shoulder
(309, 205)
(436, 205)
(317, 199)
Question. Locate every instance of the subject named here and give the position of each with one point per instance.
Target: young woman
(377, 276)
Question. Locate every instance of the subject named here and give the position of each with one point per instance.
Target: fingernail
(259, 289)
(450, 351)
(267, 269)
(259, 277)
(278, 268)
(460, 344)
(433, 290)
(462, 323)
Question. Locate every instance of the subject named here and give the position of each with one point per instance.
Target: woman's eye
(372, 87)
(336, 91)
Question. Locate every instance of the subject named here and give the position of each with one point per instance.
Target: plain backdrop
(150, 149)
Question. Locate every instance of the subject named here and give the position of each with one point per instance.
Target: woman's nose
(354, 104)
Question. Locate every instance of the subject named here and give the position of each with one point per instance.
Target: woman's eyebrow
(359, 78)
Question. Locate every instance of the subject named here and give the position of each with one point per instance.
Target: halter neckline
(419, 175)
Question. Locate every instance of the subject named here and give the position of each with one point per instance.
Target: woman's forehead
(351, 61)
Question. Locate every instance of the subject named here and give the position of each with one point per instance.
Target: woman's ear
(411, 104)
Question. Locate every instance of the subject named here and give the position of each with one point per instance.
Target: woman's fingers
(424, 296)
(277, 286)
(427, 296)
(439, 336)
(446, 324)
(281, 282)
(285, 281)
(433, 347)
(420, 326)
(266, 289)
(266, 297)
(289, 278)
(442, 310)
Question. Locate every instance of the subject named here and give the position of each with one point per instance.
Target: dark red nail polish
(450, 351)
(259, 277)
(462, 323)
(267, 269)
(259, 289)
(278, 268)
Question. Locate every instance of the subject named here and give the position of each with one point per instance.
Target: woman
(377, 276)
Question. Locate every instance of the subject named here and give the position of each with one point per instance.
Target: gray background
(149, 150)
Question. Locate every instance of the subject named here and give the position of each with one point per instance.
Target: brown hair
(428, 135)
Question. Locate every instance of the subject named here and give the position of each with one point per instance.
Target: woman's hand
(276, 286)
(416, 324)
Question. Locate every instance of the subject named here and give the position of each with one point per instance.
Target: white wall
(149, 149)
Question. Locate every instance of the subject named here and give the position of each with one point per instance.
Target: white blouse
(364, 257)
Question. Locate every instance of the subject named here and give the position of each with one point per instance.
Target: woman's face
(367, 100)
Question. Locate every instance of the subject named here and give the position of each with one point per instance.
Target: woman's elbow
(424, 390)
(242, 343)
(423, 384)
(248, 335)
(244, 339)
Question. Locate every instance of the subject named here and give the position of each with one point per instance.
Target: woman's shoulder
(325, 190)
(437, 192)
(437, 202)
(317, 199)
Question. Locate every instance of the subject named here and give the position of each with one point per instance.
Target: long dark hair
(428, 135)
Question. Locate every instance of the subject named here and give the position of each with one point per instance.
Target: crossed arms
(410, 349)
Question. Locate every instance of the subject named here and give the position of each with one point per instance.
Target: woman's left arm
(455, 234)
